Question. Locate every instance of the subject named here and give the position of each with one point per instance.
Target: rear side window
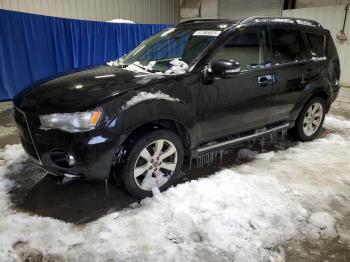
(288, 46)
(317, 44)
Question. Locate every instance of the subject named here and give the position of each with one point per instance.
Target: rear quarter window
(317, 44)
(288, 45)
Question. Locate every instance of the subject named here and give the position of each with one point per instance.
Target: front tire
(310, 120)
(154, 159)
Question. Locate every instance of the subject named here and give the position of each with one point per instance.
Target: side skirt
(236, 140)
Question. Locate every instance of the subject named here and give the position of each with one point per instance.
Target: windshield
(169, 48)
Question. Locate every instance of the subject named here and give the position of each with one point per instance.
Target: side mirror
(224, 68)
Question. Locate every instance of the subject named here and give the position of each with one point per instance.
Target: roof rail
(300, 21)
(203, 20)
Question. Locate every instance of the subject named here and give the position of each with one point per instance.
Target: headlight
(71, 122)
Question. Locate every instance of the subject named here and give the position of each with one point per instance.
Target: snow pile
(121, 21)
(305, 22)
(276, 20)
(316, 58)
(332, 122)
(143, 96)
(136, 67)
(323, 224)
(12, 158)
(237, 214)
(118, 62)
(178, 67)
(150, 65)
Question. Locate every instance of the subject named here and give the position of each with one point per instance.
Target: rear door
(317, 46)
(293, 68)
(239, 104)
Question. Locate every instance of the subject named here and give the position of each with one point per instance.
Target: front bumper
(92, 151)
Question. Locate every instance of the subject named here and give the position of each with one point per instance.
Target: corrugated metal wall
(237, 9)
(332, 18)
(140, 11)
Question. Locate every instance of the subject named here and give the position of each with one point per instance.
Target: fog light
(62, 158)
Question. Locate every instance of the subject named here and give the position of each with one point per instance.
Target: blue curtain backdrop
(33, 47)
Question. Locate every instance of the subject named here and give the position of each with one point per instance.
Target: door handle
(265, 80)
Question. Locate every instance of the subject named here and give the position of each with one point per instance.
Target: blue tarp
(33, 47)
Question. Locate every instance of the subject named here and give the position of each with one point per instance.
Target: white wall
(316, 3)
(140, 11)
(331, 18)
(189, 9)
(209, 8)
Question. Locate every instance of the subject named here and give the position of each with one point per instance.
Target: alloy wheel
(155, 163)
(313, 119)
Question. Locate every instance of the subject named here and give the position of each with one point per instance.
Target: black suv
(187, 91)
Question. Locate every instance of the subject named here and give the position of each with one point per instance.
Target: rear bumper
(336, 89)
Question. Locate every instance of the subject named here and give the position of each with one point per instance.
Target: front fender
(152, 110)
(148, 111)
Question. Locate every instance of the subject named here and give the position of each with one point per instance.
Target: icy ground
(239, 214)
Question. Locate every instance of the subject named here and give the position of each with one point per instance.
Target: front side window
(317, 44)
(288, 46)
(247, 48)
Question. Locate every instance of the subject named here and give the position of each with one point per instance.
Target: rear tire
(310, 120)
(154, 158)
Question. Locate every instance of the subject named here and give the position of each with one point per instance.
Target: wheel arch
(177, 127)
(148, 115)
(319, 88)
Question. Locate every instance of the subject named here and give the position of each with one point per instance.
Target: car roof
(227, 23)
(207, 23)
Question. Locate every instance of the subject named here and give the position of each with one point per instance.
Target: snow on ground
(7, 130)
(239, 213)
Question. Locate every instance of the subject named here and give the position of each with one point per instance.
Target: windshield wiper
(140, 66)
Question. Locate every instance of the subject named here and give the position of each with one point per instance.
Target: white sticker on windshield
(207, 33)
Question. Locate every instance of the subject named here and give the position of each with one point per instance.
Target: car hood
(82, 89)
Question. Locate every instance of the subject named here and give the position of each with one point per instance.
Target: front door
(239, 104)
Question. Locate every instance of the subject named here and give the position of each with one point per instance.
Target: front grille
(24, 133)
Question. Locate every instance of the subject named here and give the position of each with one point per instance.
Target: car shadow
(80, 202)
